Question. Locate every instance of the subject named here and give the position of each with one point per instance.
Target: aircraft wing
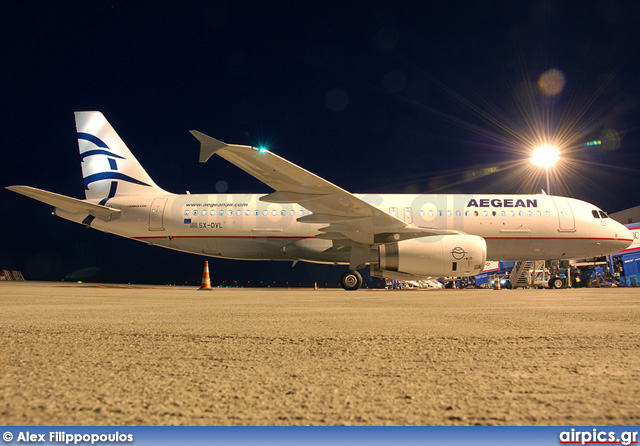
(347, 216)
(69, 204)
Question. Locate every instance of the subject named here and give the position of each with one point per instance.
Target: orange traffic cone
(206, 280)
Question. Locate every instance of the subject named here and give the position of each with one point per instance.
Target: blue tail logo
(113, 174)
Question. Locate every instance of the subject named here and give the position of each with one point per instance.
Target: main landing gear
(351, 280)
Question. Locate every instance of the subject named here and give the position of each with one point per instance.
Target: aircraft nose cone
(622, 237)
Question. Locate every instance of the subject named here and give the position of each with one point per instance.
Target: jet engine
(433, 256)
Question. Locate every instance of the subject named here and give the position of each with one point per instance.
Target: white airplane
(310, 219)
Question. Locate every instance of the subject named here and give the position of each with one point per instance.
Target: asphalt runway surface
(82, 355)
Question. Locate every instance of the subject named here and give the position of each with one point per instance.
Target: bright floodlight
(545, 156)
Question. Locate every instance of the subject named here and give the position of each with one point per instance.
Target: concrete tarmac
(81, 355)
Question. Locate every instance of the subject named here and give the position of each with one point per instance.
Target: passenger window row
(430, 213)
(247, 212)
(487, 213)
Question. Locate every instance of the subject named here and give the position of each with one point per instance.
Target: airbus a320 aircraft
(310, 219)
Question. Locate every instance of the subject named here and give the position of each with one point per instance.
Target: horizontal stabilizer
(68, 204)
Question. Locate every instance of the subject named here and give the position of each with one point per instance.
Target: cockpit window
(595, 214)
(603, 215)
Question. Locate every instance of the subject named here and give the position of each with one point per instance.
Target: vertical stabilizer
(109, 168)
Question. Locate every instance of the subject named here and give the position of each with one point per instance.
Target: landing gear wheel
(351, 280)
(556, 283)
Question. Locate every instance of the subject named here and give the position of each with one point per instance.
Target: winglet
(208, 145)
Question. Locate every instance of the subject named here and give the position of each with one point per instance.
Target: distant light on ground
(545, 156)
(551, 82)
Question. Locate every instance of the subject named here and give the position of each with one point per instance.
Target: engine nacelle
(435, 256)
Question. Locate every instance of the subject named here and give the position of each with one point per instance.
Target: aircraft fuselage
(240, 226)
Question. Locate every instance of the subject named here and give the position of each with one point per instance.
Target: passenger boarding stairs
(528, 273)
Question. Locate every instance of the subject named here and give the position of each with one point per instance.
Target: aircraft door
(156, 214)
(408, 215)
(566, 221)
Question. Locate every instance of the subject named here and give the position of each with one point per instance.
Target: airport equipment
(529, 274)
(625, 265)
(6, 274)
(206, 280)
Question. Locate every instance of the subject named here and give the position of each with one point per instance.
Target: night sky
(379, 96)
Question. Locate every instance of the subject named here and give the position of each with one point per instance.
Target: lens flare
(551, 82)
(610, 139)
(545, 156)
(532, 115)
